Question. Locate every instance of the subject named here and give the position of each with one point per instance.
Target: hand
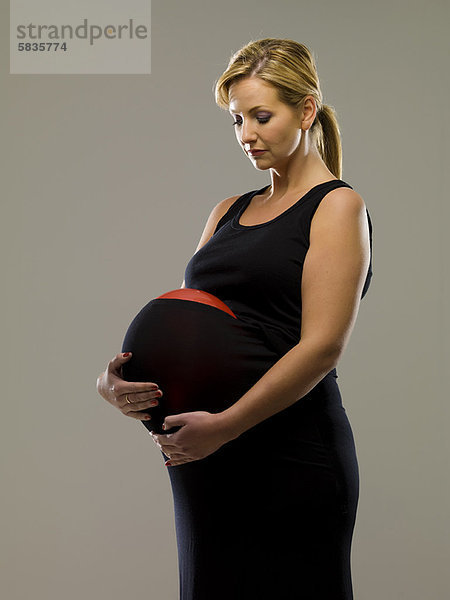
(201, 434)
(112, 387)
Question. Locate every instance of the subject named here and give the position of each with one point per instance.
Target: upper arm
(335, 269)
(216, 214)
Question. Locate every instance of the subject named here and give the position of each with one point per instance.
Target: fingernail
(125, 354)
(154, 402)
(168, 464)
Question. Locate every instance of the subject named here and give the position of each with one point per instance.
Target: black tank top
(257, 269)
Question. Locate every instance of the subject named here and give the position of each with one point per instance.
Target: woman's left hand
(201, 434)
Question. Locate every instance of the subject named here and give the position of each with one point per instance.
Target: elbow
(327, 353)
(331, 355)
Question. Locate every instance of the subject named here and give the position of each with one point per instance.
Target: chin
(261, 167)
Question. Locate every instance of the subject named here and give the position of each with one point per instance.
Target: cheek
(292, 141)
(283, 138)
(273, 138)
(282, 143)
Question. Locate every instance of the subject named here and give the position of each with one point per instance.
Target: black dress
(269, 515)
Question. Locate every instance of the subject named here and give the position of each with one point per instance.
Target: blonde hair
(290, 67)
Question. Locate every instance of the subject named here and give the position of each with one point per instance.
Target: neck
(300, 172)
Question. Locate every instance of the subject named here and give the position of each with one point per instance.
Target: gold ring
(126, 398)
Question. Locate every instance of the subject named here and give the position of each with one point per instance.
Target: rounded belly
(197, 351)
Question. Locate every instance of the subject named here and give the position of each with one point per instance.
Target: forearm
(288, 380)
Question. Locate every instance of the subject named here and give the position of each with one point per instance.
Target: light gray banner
(80, 37)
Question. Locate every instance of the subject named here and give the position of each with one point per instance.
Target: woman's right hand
(113, 388)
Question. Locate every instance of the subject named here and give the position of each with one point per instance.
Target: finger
(115, 365)
(139, 387)
(175, 458)
(136, 391)
(129, 410)
(138, 416)
(143, 408)
(156, 441)
(132, 402)
(169, 447)
(117, 361)
(173, 463)
(139, 397)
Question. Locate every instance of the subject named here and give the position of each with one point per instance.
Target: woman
(266, 491)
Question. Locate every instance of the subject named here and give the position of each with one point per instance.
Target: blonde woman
(266, 491)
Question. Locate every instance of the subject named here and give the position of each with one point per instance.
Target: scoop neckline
(235, 221)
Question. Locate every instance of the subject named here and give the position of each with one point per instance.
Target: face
(262, 122)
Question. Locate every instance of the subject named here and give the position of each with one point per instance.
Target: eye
(260, 120)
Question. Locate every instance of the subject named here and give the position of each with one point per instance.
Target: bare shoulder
(219, 210)
(340, 226)
(341, 199)
(216, 214)
(341, 205)
(221, 207)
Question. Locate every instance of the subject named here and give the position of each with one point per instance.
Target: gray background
(107, 182)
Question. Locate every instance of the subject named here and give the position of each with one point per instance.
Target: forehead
(250, 94)
(253, 108)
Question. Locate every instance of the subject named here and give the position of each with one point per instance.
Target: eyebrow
(251, 110)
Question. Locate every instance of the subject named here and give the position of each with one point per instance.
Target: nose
(247, 133)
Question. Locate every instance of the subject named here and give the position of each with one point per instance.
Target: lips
(255, 152)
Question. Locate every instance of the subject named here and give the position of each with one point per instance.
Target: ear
(308, 112)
